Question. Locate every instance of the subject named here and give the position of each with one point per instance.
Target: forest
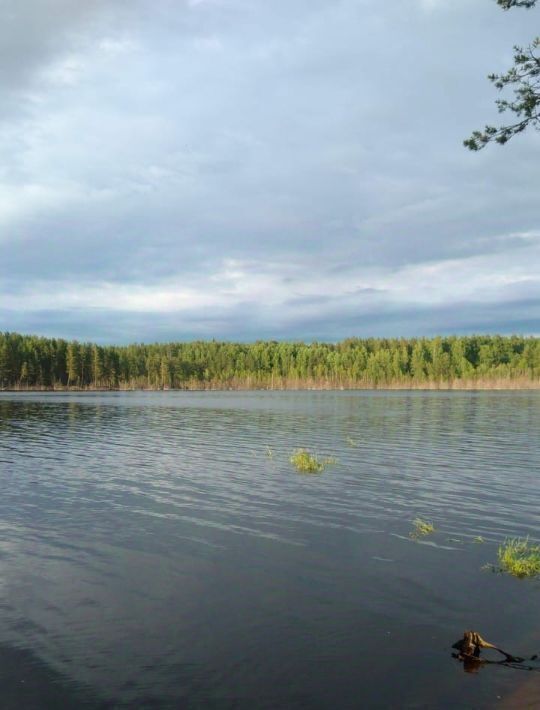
(477, 361)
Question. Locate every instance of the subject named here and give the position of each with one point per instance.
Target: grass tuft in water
(421, 528)
(305, 462)
(520, 558)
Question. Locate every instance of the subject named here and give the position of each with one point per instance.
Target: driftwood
(472, 643)
(470, 646)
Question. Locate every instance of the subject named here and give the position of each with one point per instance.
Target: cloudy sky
(243, 169)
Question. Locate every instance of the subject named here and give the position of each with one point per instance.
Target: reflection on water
(153, 553)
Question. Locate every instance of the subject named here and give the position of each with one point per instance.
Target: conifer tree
(524, 79)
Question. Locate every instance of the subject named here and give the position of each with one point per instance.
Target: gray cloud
(155, 150)
(244, 324)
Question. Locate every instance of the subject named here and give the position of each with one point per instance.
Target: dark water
(154, 555)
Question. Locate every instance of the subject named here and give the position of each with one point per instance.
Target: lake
(159, 550)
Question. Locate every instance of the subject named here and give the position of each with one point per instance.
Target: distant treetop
(31, 362)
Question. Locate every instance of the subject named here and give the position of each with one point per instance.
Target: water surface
(158, 549)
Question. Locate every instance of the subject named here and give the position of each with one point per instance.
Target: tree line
(29, 362)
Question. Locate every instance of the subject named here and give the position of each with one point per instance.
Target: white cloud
(210, 43)
(115, 46)
(279, 285)
(67, 71)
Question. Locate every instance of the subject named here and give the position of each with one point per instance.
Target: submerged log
(472, 643)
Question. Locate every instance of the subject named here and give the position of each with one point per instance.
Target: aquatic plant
(519, 557)
(478, 539)
(303, 461)
(269, 452)
(421, 528)
(351, 442)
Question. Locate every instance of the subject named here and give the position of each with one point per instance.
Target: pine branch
(524, 78)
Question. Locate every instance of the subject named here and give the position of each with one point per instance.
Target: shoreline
(445, 386)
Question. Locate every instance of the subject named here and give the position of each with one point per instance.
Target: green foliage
(302, 460)
(524, 78)
(29, 361)
(305, 462)
(507, 4)
(520, 558)
(421, 528)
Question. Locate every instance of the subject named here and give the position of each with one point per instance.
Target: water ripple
(135, 525)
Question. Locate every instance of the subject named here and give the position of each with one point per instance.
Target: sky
(262, 169)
